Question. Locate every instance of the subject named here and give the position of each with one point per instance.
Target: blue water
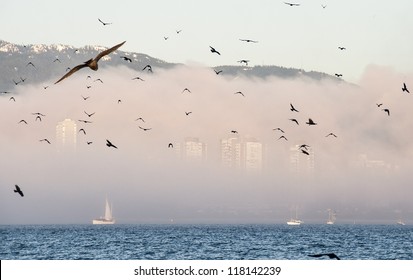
(211, 242)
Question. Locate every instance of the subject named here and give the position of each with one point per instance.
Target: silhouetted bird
(45, 140)
(38, 114)
(404, 88)
(93, 62)
(324, 6)
(170, 145)
(58, 60)
(294, 120)
(140, 119)
(109, 144)
(338, 75)
(218, 72)
(187, 113)
(104, 23)
(186, 89)
(88, 87)
(304, 146)
(98, 80)
(311, 122)
(18, 190)
(89, 142)
(214, 50)
(119, 101)
(85, 97)
(379, 104)
(248, 41)
(341, 48)
(84, 121)
(147, 67)
(89, 115)
(239, 92)
(305, 152)
(126, 58)
(16, 83)
(38, 118)
(331, 134)
(138, 78)
(292, 108)
(244, 61)
(387, 111)
(82, 130)
(22, 121)
(45, 87)
(278, 129)
(23, 80)
(178, 31)
(144, 129)
(283, 137)
(234, 131)
(12, 99)
(330, 255)
(165, 38)
(31, 64)
(291, 4)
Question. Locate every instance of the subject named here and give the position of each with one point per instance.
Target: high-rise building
(66, 136)
(241, 153)
(194, 150)
(253, 155)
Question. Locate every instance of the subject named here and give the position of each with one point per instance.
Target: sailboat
(400, 222)
(331, 217)
(296, 221)
(107, 219)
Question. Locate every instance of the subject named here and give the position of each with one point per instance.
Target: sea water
(204, 242)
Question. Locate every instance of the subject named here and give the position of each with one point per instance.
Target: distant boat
(400, 222)
(331, 217)
(295, 221)
(107, 219)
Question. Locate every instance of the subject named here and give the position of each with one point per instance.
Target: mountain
(38, 63)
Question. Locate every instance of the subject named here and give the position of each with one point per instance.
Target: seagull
(147, 67)
(404, 88)
(140, 119)
(144, 129)
(126, 58)
(82, 130)
(104, 23)
(218, 72)
(98, 80)
(12, 98)
(239, 92)
(248, 41)
(294, 120)
(292, 108)
(91, 63)
(85, 97)
(170, 145)
(22, 121)
(186, 89)
(109, 144)
(138, 78)
(214, 50)
(45, 140)
(291, 4)
(278, 129)
(244, 61)
(187, 113)
(387, 111)
(331, 134)
(89, 115)
(330, 255)
(18, 190)
(311, 122)
(283, 137)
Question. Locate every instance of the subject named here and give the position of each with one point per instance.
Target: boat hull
(294, 222)
(103, 222)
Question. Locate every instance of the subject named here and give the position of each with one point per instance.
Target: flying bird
(18, 190)
(45, 140)
(341, 48)
(338, 75)
(186, 89)
(331, 134)
(89, 115)
(138, 78)
(283, 137)
(324, 6)
(387, 111)
(170, 145)
(248, 41)
(304, 146)
(305, 152)
(126, 58)
(178, 31)
(16, 83)
(311, 122)
(214, 50)
(12, 99)
(218, 72)
(22, 121)
(165, 38)
(379, 104)
(98, 80)
(89, 142)
(144, 129)
(30, 64)
(291, 4)
(140, 119)
(38, 114)
(294, 120)
(91, 63)
(85, 97)
(82, 130)
(278, 129)
(109, 144)
(234, 131)
(38, 118)
(239, 92)
(330, 255)
(57, 60)
(244, 61)
(292, 108)
(404, 88)
(104, 23)
(187, 113)
(84, 121)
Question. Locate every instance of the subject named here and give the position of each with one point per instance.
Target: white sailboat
(331, 217)
(295, 221)
(400, 222)
(107, 219)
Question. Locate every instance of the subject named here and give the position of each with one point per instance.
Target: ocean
(204, 242)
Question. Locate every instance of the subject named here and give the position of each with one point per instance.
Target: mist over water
(364, 174)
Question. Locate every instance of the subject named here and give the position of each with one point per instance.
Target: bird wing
(108, 51)
(73, 70)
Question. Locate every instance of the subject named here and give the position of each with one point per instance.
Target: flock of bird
(93, 65)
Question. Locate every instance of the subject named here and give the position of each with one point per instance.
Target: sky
(145, 180)
(305, 37)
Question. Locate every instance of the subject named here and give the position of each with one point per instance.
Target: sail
(108, 211)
